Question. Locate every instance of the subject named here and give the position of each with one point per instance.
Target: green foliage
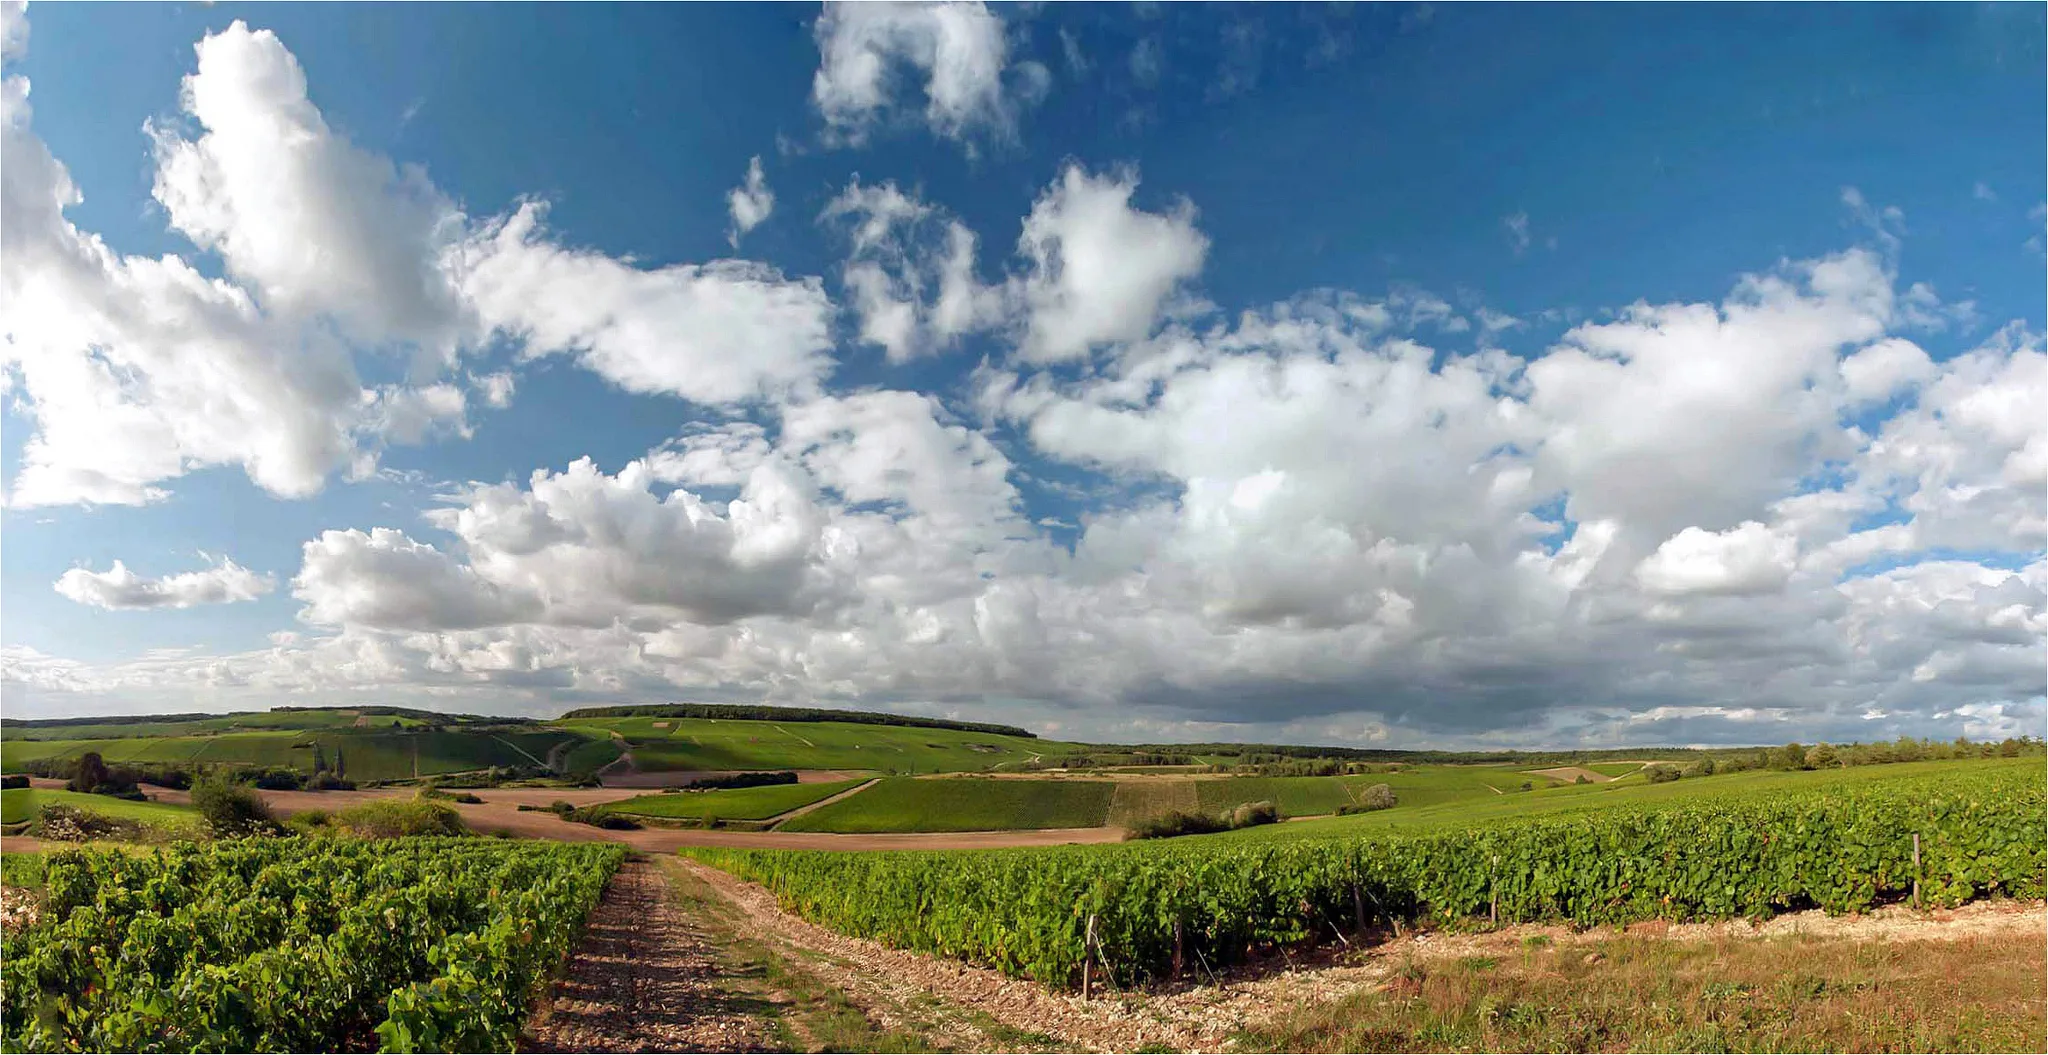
(394, 819)
(1660, 774)
(1840, 846)
(231, 810)
(963, 804)
(296, 945)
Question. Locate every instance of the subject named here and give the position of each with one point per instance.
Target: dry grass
(1638, 993)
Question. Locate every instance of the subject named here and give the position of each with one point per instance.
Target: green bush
(393, 818)
(1660, 774)
(231, 810)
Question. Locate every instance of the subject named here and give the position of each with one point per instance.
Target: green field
(735, 804)
(21, 804)
(591, 755)
(1585, 798)
(1296, 796)
(370, 754)
(964, 804)
(1612, 769)
(717, 745)
(1318, 796)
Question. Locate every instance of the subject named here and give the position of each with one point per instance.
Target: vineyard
(296, 945)
(1160, 907)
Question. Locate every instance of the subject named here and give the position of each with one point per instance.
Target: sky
(1394, 375)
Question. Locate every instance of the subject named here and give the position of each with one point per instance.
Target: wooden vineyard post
(1087, 964)
(1358, 908)
(1179, 947)
(1916, 870)
(1493, 893)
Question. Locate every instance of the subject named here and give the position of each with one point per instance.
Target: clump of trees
(91, 775)
(232, 811)
(1375, 798)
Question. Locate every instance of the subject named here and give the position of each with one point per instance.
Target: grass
(20, 804)
(1574, 798)
(17, 805)
(1634, 993)
(706, 744)
(1296, 796)
(964, 804)
(1612, 769)
(592, 755)
(740, 804)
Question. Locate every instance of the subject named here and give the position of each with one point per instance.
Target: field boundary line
(776, 821)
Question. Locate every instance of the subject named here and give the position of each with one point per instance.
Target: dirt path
(643, 978)
(828, 800)
(872, 974)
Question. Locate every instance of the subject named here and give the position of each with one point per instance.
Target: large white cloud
(138, 370)
(121, 588)
(312, 224)
(339, 265)
(728, 331)
(957, 50)
(1100, 268)
(386, 580)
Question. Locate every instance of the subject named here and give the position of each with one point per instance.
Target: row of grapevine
(1205, 901)
(296, 945)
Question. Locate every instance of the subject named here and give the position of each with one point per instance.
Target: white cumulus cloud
(119, 587)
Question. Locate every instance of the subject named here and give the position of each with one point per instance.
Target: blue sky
(1383, 374)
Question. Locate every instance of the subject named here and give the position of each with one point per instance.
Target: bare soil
(644, 979)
